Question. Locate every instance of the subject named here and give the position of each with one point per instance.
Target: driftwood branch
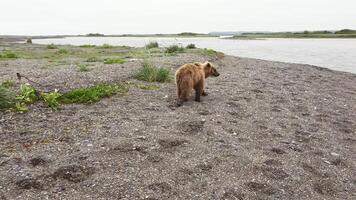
(19, 76)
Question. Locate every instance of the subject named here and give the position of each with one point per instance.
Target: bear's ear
(207, 64)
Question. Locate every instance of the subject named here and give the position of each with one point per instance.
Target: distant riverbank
(345, 33)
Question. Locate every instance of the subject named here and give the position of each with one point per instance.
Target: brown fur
(192, 76)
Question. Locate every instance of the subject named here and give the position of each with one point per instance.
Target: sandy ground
(267, 130)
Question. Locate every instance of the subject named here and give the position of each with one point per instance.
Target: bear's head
(210, 70)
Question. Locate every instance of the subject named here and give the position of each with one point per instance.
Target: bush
(51, 46)
(114, 61)
(29, 41)
(174, 49)
(8, 54)
(191, 46)
(152, 73)
(92, 94)
(7, 98)
(51, 99)
(152, 45)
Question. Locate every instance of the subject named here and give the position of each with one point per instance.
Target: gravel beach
(266, 130)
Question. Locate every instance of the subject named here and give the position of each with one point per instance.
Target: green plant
(191, 46)
(29, 41)
(27, 95)
(152, 45)
(62, 51)
(209, 52)
(51, 99)
(174, 49)
(92, 59)
(87, 46)
(8, 54)
(51, 46)
(105, 46)
(7, 83)
(93, 93)
(83, 67)
(151, 73)
(147, 87)
(114, 61)
(7, 98)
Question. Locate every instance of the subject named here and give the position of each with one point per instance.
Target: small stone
(334, 154)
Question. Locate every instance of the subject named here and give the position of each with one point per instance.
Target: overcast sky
(39, 17)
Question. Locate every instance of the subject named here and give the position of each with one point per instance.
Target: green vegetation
(27, 95)
(191, 46)
(7, 83)
(93, 93)
(188, 34)
(62, 51)
(8, 54)
(95, 35)
(51, 99)
(87, 46)
(147, 87)
(93, 59)
(105, 46)
(208, 52)
(29, 41)
(152, 45)
(51, 46)
(114, 61)
(83, 67)
(7, 98)
(151, 73)
(174, 49)
(346, 31)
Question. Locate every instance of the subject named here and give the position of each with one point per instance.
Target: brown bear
(192, 76)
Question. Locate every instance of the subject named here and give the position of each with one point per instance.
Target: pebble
(334, 154)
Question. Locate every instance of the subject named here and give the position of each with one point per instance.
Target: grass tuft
(92, 59)
(105, 46)
(52, 46)
(151, 73)
(93, 93)
(7, 83)
(147, 87)
(174, 49)
(62, 51)
(87, 46)
(83, 67)
(114, 61)
(8, 54)
(191, 46)
(7, 98)
(152, 45)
